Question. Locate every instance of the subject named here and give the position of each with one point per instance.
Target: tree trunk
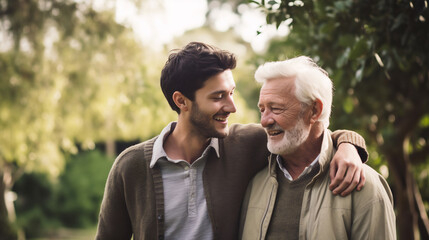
(110, 140)
(408, 202)
(407, 214)
(7, 232)
(111, 148)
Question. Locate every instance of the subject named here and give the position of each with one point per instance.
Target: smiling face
(282, 116)
(212, 106)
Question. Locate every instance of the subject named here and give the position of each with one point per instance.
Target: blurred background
(79, 82)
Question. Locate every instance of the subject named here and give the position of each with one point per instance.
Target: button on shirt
(286, 172)
(186, 215)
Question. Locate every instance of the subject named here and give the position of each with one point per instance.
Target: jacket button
(160, 217)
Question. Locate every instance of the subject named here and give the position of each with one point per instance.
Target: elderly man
(290, 199)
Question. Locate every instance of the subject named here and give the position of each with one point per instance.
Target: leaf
(255, 2)
(348, 105)
(346, 40)
(342, 60)
(327, 28)
(398, 22)
(340, 6)
(359, 49)
(424, 122)
(359, 72)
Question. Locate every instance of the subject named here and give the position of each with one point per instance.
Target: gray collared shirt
(186, 215)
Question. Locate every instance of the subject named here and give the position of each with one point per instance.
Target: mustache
(273, 127)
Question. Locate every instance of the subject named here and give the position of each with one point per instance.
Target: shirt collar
(158, 148)
(286, 172)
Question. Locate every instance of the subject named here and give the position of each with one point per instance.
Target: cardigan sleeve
(114, 222)
(346, 136)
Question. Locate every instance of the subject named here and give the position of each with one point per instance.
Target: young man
(189, 182)
(290, 199)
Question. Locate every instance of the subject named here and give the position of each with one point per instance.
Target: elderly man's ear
(316, 111)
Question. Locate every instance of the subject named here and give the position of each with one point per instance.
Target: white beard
(292, 139)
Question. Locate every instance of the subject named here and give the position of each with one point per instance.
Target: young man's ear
(316, 110)
(181, 101)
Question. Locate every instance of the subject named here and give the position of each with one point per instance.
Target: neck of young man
(183, 144)
(305, 154)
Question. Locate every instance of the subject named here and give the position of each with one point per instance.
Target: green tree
(70, 77)
(71, 201)
(80, 189)
(377, 54)
(35, 207)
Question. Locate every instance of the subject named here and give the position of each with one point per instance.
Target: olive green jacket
(365, 214)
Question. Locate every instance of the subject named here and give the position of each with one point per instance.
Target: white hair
(311, 81)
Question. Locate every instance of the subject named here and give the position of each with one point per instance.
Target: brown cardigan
(133, 200)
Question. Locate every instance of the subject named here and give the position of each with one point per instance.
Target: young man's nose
(230, 106)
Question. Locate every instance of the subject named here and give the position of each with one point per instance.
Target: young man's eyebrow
(218, 92)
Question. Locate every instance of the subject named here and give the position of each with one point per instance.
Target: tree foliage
(377, 54)
(70, 77)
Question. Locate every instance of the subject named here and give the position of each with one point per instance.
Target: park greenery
(74, 84)
(71, 77)
(71, 201)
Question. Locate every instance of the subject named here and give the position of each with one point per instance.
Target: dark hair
(187, 69)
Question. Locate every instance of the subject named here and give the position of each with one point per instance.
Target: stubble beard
(291, 140)
(203, 124)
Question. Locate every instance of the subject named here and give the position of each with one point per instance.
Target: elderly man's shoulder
(376, 187)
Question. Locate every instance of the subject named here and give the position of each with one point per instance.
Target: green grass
(69, 234)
